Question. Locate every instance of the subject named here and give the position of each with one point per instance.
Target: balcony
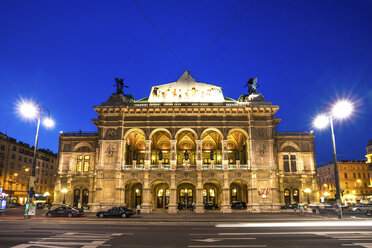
(204, 167)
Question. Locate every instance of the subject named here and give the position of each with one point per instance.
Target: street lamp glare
(342, 109)
(321, 121)
(27, 109)
(48, 122)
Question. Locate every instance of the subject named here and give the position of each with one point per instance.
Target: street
(162, 230)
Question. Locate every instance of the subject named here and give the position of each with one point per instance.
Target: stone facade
(160, 154)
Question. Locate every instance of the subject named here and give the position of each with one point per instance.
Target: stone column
(173, 160)
(199, 206)
(124, 149)
(226, 207)
(172, 207)
(146, 194)
(225, 158)
(148, 154)
(199, 155)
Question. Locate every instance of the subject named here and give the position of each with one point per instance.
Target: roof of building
(186, 89)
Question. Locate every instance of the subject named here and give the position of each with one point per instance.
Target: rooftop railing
(79, 134)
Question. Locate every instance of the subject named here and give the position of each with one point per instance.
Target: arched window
(160, 198)
(287, 197)
(234, 194)
(295, 196)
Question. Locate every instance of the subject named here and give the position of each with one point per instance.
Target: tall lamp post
(340, 110)
(33, 110)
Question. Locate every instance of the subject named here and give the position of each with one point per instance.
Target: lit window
(79, 163)
(86, 165)
(86, 157)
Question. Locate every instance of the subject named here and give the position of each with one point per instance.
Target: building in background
(186, 142)
(369, 160)
(355, 181)
(15, 168)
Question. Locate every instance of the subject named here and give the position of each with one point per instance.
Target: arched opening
(85, 197)
(135, 148)
(211, 193)
(287, 196)
(186, 195)
(133, 194)
(160, 147)
(211, 147)
(186, 148)
(238, 192)
(76, 197)
(295, 196)
(237, 147)
(160, 195)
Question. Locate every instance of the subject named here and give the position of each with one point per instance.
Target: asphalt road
(62, 233)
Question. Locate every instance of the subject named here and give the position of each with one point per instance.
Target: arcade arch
(212, 146)
(237, 146)
(135, 147)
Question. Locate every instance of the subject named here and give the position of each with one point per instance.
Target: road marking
(231, 246)
(366, 245)
(281, 233)
(210, 240)
(302, 224)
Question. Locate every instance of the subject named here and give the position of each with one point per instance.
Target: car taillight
(131, 211)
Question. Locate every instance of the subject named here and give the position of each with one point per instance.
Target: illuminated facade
(355, 181)
(186, 141)
(15, 168)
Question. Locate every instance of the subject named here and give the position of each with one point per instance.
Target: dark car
(116, 212)
(238, 205)
(290, 206)
(182, 205)
(210, 205)
(64, 212)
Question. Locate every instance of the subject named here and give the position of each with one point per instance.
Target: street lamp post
(31, 110)
(186, 203)
(64, 191)
(341, 109)
(308, 191)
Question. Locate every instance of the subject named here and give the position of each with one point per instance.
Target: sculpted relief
(111, 153)
(111, 133)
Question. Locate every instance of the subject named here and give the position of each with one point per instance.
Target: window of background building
(345, 175)
(364, 175)
(2, 147)
(354, 175)
(14, 148)
(13, 156)
(359, 175)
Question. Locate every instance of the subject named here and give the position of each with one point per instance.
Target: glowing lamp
(321, 121)
(307, 190)
(48, 122)
(342, 109)
(27, 109)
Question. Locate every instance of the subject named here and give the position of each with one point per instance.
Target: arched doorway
(295, 196)
(85, 197)
(185, 193)
(287, 196)
(237, 147)
(211, 193)
(186, 148)
(238, 191)
(135, 148)
(160, 147)
(160, 194)
(211, 147)
(76, 197)
(133, 194)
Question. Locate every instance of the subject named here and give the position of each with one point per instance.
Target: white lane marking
(39, 245)
(301, 224)
(281, 233)
(228, 246)
(210, 240)
(65, 243)
(366, 245)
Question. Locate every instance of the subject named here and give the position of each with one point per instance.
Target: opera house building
(186, 142)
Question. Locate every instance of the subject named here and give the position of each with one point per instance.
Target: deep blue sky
(305, 54)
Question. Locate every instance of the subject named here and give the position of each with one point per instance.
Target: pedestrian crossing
(72, 240)
(278, 239)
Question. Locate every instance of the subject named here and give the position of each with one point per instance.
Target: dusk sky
(306, 54)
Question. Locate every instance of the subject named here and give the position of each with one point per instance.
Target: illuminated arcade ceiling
(186, 89)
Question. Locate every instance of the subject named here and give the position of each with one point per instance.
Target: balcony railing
(204, 167)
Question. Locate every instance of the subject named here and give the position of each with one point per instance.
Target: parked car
(210, 205)
(361, 208)
(64, 211)
(238, 205)
(116, 212)
(290, 206)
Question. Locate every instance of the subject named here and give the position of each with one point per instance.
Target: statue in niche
(134, 155)
(212, 155)
(186, 155)
(237, 155)
(160, 155)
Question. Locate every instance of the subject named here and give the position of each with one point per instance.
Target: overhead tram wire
(220, 35)
(161, 36)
